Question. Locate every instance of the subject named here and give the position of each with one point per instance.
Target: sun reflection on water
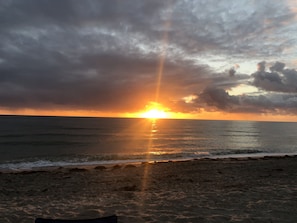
(149, 152)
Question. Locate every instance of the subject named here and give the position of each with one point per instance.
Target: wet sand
(223, 190)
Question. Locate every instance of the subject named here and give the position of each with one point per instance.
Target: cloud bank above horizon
(228, 55)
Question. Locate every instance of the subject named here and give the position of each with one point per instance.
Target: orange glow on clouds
(154, 111)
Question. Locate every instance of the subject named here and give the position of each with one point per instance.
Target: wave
(93, 160)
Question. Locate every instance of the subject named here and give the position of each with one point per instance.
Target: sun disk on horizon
(154, 111)
(154, 114)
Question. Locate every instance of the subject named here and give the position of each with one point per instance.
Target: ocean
(28, 142)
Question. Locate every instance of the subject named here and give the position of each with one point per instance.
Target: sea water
(27, 142)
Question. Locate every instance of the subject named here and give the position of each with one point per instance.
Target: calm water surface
(27, 142)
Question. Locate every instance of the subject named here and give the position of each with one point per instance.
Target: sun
(154, 114)
(154, 111)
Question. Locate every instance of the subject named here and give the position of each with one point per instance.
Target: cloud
(277, 94)
(105, 55)
(99, 81)
(278, 80)
(217, 97)
(236, 27)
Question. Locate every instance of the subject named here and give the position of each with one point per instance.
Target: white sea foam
(29, 166)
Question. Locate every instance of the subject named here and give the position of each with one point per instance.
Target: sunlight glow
(154, 110)
(190, 99)
(154, 114)
(243, 89)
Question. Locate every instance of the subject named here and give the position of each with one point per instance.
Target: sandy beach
(217, 190)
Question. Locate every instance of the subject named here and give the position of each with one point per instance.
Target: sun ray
(157, 111)
(164, 45)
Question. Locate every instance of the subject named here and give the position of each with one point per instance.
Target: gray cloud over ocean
(105, 55)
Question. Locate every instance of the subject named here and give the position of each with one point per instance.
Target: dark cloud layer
(277, 80)
(279, 96)
(105, 55)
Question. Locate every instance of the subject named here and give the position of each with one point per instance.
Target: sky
(208, 59)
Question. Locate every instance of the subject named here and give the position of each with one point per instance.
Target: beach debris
(77, 170)
(278, 169)
(115, 167)
(100, 168)
(130, 166)
(129, 188)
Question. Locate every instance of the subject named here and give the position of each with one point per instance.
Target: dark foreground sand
(226, 190)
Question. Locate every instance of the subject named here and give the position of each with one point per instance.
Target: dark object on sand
(109, 219)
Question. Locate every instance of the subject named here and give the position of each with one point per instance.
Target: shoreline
(91, 165)
(204, 190)
(139, 162)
